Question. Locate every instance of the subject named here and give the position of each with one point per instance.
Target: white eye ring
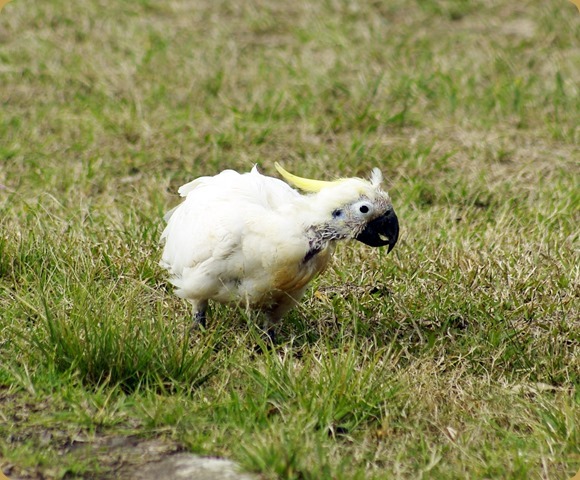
(363, 208)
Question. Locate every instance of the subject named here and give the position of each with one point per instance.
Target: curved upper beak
(382, 231)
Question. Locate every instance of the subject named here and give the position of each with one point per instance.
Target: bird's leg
(199, 319)
(285, 303)
(267, 335)
(270, 332)
(199, 313)
(275, 313)
(269, 322)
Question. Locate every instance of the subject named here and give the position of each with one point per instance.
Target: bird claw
(199, 320)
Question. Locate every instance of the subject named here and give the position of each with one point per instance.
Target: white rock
(185, 466)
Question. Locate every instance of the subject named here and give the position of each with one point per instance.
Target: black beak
(381, 231)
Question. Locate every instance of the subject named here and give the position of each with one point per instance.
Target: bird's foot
(199, 320)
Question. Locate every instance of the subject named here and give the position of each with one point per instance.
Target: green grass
(456, 356)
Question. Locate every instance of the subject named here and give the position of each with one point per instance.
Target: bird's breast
(290, 277)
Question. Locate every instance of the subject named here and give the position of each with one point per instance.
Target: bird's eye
(337, 213)
(364, 209)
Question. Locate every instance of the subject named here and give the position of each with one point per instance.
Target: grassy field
(456, 356)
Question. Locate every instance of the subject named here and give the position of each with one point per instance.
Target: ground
(455, 356)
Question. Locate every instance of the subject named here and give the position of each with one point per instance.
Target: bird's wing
(216, 234)
(203, 225)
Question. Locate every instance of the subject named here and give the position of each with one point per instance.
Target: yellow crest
(306, 184)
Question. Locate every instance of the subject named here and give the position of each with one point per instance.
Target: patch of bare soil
(103, 454)
(112, 457)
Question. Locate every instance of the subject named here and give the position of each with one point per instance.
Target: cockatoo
(253, 240)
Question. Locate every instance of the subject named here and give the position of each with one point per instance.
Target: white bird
(253, 240)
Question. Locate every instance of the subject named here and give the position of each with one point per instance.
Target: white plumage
(253, 240)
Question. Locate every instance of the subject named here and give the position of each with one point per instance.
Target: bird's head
(351, 208)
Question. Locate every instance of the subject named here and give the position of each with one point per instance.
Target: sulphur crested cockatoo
(253, 240)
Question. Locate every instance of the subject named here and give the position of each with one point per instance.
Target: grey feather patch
(311, 253)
